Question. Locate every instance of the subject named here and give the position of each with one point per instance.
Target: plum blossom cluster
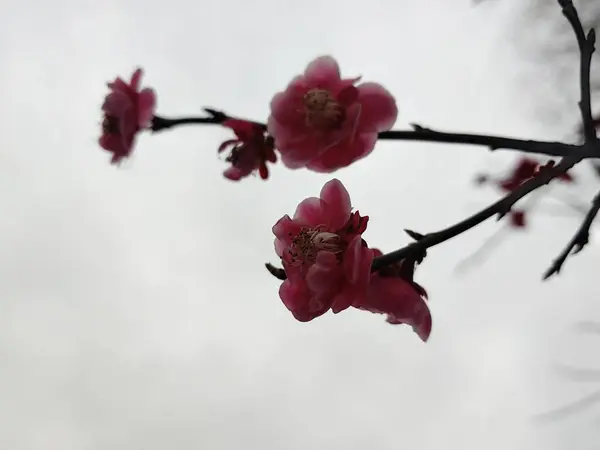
(127, 111)
(323, 121)
(328, 265)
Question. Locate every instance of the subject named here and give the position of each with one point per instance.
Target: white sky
(135, 312)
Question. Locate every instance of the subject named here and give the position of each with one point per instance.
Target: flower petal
(297, 299)
(400, 301)
(323, 71)
(337, 199)
(342, 156)
(310, 212)
(287, 109)
(379, 109)
(136, 79)
(284, 230)
(146, 107)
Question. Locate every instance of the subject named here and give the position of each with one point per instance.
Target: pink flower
(324, 122)
(126, 112)
(325, 259)
(250, 152)
(393, 291)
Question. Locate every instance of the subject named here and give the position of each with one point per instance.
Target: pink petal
(128, 125)
(136, 79)
(323, 71)
(323, 275)
(337, 199)
(310, 212)
(287, 109)
(114, 144)
(146, 107)
(280, 247)
(284, 230)
(233, 174)
(343, 155)
(292, 144)
(345, 84)
(400, 301)
(300, 150)
(343, 300)
(116, 103)
(347, 95)
(297, 299)
(357, 262)
(379, 109)
(119, 85)
(357, 270)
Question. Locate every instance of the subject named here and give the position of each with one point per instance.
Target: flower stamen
(322, 111)
(310, 241)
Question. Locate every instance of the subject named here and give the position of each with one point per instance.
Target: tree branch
(586, 49)
(501, 207)
(578, 241)
(419, 133)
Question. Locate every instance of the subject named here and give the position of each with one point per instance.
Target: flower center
(110, 125)
(310, 241)
(322, 111)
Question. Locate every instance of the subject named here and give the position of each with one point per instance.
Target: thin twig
(276, 271)
(572, 408)
(579, 240)
(578, 374)
(497, 236)
(501, 207)
(586, 48)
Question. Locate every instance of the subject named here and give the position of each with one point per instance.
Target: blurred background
(135, 310)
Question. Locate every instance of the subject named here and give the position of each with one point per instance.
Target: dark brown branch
(586, 48)
(418, 133)
(501, 208)
(578, 241)
(492, 142)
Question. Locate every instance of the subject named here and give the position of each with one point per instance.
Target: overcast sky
(135, 311)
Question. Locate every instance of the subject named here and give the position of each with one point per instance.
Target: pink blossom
(127, 110)
(325, 259)
(324, 122)
(393, 291)
(250, 150)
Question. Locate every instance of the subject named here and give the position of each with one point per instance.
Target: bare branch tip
(276, 271)
(554, 270)
(413, 234)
